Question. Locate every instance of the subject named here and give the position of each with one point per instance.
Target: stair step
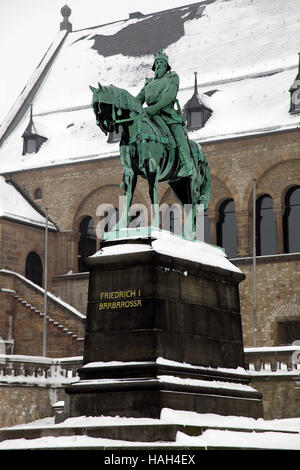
(41, 314)
(148, 435)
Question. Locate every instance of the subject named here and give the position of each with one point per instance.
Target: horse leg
(185, 190)
(190, 226)
(152, 178)
(129, 184)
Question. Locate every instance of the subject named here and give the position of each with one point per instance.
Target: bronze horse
(148, 149)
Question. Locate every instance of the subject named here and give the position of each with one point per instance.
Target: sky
(27, 28)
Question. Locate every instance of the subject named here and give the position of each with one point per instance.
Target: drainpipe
(45, 286)
(254, 264)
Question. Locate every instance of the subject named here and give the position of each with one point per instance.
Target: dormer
(136, 14)
(295, 93)
(195, 111)
(32, 141)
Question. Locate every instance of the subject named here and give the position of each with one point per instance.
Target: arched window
(38, 193)
(291, 221)
(34, 268)
(288, 332)
(226, 228)
(265, 226)
(87, 242)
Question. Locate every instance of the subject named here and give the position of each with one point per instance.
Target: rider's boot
(186, 169)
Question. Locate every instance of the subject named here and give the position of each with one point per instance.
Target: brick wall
(278, 296)
(18, 240)
(72, 191)
(73, 289)
(6, 313)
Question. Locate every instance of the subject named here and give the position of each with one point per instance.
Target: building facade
(237, 106)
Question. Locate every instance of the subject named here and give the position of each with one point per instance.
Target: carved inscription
(120, 299)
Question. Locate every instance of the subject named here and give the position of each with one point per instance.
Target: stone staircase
(63, 337)
(25, 302)
(50, 320)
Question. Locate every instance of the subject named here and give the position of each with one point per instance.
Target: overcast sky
(27, 28)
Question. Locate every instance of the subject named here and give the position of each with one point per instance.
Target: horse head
(112, 104)
(103, 110)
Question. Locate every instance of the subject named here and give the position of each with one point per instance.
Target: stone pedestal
(163, 330)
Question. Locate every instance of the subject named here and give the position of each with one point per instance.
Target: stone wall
(281, 395)
(31, 385)
(21, 404)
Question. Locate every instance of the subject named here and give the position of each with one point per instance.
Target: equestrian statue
(154, 142)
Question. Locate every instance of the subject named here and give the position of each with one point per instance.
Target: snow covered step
(225, 432)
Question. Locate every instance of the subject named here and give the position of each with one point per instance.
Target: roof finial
(196, 84)
(65, 24)
(31, 127)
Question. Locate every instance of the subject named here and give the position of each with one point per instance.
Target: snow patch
(166, 243)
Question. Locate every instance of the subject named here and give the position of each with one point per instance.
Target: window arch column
(69, 241)
(212, 217)
(87, 242)
(279, 229)
(242, 227)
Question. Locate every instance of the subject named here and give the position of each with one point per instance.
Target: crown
(163, 56)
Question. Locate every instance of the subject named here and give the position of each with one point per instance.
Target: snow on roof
(15, 207)
(247, 50)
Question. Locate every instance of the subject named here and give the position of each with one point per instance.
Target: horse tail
(202, 165)
(206, 191)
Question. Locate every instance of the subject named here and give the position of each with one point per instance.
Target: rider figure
(160, 94)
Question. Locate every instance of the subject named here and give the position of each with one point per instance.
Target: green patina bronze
(154, 142)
